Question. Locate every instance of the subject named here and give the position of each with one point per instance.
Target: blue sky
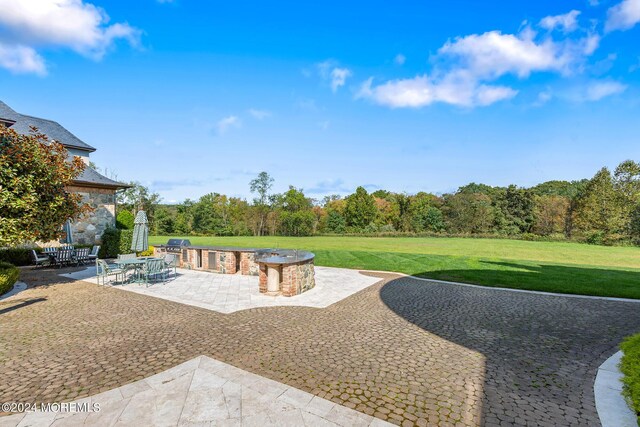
(409, 96)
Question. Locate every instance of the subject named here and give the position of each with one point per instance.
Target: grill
(175, 245)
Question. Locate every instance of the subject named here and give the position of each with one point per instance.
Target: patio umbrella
(68, 233)
(140, 241)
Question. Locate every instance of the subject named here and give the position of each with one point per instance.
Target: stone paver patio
(403, 350)
(227, 293)
(199, 392)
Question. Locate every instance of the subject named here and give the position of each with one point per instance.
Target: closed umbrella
(140, 241)
(68, 233)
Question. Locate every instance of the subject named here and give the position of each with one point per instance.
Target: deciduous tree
(34, 175)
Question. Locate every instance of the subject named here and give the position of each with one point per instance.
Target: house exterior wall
(88, 229)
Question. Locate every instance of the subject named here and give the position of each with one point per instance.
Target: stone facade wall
(297, 278)
(88, 229)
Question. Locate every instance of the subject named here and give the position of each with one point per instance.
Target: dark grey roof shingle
(57, 133)
(50, 128)
(90, 176)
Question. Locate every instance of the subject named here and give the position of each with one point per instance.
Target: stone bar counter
(284, 272)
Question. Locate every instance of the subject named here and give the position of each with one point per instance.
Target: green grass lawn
(543, 266)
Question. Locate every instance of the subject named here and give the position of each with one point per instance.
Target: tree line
(604, 210)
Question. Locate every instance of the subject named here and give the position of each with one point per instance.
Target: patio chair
(65, 256)
(39, 260)
(82, 255)
(126, 256)
(94, 253)
(153, 268)
(171, 261)
(104, 270)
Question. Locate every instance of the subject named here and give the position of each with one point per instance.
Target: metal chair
(39, 260)
(153, 268)
(94, 253)
(65, 256)
(171, 261)
(103, 270)
(82, 255)
(126, 256)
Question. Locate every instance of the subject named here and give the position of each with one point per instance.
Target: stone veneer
(294, 278)
(295, 275)
(88, 229)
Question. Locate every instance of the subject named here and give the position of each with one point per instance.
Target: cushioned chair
(82, 255)
(171, 262)
(103, 270)
(93, 255)
(152, 269)
(39, 260)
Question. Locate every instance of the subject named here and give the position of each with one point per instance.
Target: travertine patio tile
(319, 406)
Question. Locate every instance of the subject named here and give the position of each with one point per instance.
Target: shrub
(124, 220)
(16, 256)
(148, 252)
(9, 274)
(630, 367)
(115, 242)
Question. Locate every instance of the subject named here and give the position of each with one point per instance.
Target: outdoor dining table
(134, 264)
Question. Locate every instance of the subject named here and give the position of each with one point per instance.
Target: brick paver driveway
(404, 350)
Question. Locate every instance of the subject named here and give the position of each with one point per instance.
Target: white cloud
(336, 76)
(227, 123)
(259, 114)
(21, 59)
(567, 22)
(493, 54)
(339, 77)
(466, 67)
(597, 90)
(623, 16)
(459, 89)
(81, 27)
(400, 59)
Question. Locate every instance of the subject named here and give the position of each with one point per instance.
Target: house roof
(90, 178)
(50, 128)
(22, 123)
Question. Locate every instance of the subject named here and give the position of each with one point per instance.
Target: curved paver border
(610, 404)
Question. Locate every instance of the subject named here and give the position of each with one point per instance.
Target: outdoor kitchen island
(286, 272)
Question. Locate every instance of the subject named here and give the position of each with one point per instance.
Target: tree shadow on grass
(578, 280)
(541, 351)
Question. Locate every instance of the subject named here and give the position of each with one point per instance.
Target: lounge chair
(103, 270)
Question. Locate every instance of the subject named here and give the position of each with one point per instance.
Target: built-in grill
(176, 245)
